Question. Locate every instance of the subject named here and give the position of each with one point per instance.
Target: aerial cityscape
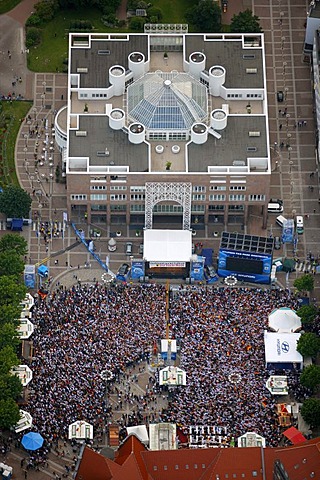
(159, 239)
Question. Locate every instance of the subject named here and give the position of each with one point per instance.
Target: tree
(12, 241)
(245, 22)
(304, 283)
(137, 23)
(11, 292)
(9, 413)
(9, 336)
(310, 377)
(204, 17)
(8, 359)
(11, 263)
(10, 386)
(154, 12)
(308, 344)
(15, 202)
(10, 314)
(307, 313)
(310, 412)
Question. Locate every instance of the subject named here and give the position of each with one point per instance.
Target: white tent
(167, 245)
(80, 430)
(284, 320)
(281, 349)
(24, 423)
(140, 431)
(24, 373)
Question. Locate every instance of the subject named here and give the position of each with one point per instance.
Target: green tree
(154, 12)
(10, 314)
(245, 22)
(15, 202)
(204, 17)
(12, 241)
(310, 377)
(11, 292)
(9, 336)
(8, 359)
(10, 386)
(304, 283)
(46, 9)
(11, 263)
(33, 37)
(307, 313)
(308, 344)
(9, 413)
(137, 23)
(310, 412)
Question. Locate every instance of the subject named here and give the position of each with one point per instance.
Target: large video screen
(244, 265)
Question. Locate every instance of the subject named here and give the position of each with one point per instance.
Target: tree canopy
(8, 335)
(12, 241)
(9, 413)
(304, 283)
(15, 202)
(245, 22)
(204, 17)
(8, 359)
(308, 345)
(307, 313)
(11, 263)
(310, 377)
(11, 292)
(310, 411)
(10, 386)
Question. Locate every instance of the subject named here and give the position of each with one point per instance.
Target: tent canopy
(281, 348)
(294, 435)
(284, 320)
(167, 245)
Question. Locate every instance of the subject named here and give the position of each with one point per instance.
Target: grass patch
(11, 114)
(7, 5)
(173, 11)
(49, 55)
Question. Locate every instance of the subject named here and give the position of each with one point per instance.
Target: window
(137, 196)
(237, 187)
(97, 208)
(136, 208)
(118, 197)
(78, 196)
(257, 198)
(98, 196)
(137, 189)
(218, 187)
(118, 208)
(217, 198)
(98, 187)
(215, 207)
(199, 197)
(237, 198)
(118, 187)
(197, 208)
(235, 207)
(199, 188)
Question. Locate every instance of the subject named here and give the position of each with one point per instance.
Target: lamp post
(42, 99)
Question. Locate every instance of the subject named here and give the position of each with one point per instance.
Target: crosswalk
(304, 267)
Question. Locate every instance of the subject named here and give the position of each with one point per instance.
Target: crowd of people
(92, 329)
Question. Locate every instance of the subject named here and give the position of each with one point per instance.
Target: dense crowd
(88, 330)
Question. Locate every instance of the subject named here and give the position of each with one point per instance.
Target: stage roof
(282, 348)
(167, 245)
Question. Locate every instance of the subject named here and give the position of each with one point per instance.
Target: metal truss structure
(163, 191)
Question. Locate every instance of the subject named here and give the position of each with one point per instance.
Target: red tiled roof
(135, 462)
(94, 465)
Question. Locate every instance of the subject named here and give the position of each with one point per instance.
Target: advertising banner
(196, 269)
(137, 269)
(288, 231)
(245, 266)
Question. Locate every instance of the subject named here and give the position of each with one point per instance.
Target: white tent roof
(282, 347)
(284, 320)
(140, 431)
(167, 245)
(164, 345)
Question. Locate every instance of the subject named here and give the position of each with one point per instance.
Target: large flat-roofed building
(163, 123)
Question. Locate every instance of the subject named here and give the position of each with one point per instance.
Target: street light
(42, 99)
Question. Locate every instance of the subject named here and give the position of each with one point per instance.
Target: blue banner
(30, 280)
(196, 269)
(288, 231)
(137, 269)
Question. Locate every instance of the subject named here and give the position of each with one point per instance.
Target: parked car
(277, 243)
(280, 96)
(299, 224)
(129, 248)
